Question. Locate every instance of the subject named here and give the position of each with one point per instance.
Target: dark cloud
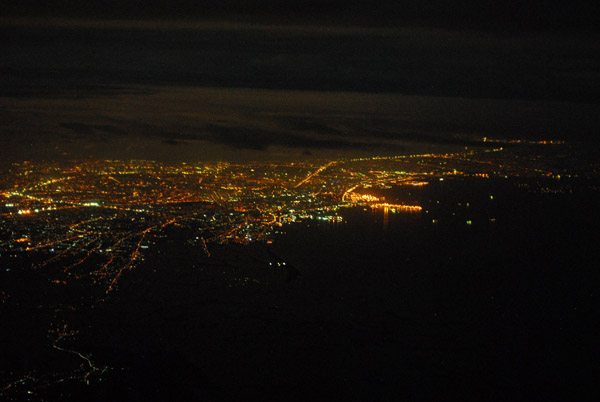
(480, 14)
(307, 124)
(239, 137)
(26, 83)
(170, 142)
(251, 124)
(93, 86)
(260, 139)
(388, 129)
(84, 61)
(83, 128)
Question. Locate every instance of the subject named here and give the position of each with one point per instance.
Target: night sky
(191, 80)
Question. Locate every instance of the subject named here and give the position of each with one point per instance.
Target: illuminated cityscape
(84, 225)
(95, 218)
